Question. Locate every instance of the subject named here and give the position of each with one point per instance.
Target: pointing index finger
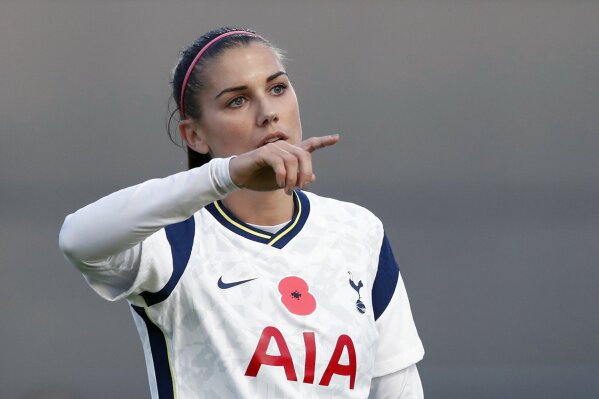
(314, 143)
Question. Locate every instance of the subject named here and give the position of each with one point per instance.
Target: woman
(242, 285)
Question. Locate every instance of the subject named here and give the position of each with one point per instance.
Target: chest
(320, 277)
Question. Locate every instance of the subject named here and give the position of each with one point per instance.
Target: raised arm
(123, 219)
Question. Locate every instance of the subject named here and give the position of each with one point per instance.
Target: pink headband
(197, 58)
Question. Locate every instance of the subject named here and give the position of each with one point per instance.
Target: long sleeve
(103, 239)
(402, 384)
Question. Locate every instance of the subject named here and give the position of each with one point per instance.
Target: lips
(272, 137)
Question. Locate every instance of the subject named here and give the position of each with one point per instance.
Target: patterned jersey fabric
(315, 310)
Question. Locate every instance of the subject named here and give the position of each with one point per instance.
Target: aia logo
(272, 334)
(296, 296)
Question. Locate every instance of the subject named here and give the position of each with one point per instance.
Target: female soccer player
(241, 284)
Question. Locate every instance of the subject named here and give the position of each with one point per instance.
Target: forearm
(123, 219)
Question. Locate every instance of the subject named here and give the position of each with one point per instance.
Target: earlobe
(192, 135)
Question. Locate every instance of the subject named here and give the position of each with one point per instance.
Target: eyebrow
(238, 88)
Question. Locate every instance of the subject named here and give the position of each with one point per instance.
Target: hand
(278, 165)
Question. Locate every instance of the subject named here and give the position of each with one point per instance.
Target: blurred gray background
(471, 128)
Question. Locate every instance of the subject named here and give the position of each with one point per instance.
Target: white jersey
(315, 310)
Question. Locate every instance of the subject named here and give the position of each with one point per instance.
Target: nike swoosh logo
(224, 286)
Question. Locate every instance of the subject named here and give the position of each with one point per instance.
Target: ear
(193, 136)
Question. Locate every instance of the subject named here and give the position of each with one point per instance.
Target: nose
(267, 115)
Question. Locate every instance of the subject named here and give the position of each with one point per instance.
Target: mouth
(273, 137)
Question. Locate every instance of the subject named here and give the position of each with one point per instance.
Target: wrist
(220, 173)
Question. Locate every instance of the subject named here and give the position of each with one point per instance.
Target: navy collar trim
(276, 240)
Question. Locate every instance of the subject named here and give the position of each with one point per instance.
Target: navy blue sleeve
(386, 279)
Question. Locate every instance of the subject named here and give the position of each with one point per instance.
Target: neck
(266, 208)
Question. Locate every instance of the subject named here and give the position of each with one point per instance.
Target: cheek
(292, 109)
(233, 124)
(221, 122)
(229, 134)
(295, 118)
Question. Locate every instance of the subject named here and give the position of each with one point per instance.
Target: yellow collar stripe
(234, 223)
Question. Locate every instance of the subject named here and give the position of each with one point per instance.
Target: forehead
(242, 65)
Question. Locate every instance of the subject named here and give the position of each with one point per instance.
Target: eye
(236, 102)
(278, 89)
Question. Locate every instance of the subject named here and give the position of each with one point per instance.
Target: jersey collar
(278, 239)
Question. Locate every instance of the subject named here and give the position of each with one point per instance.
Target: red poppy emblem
(296, 297)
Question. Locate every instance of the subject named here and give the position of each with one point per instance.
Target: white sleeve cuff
(402, 384)
(221, 177)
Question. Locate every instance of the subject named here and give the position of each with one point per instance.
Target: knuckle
(291, 158)
(306, 156)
